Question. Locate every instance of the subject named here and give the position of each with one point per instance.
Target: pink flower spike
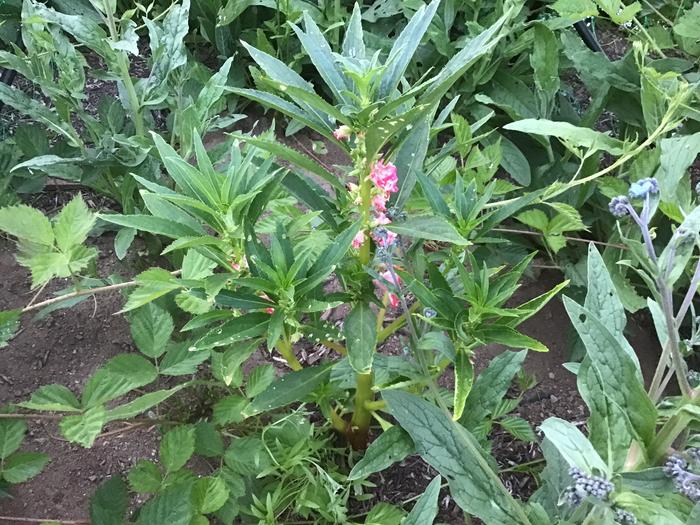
(386, 239)
(359, 240)
(342, 133)
(382, 219)
(393, 300)
(389, 277)
(379, 202)
(384, 177)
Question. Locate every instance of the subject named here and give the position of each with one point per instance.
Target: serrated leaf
(179, 360)
(108, 505)
(360, 330)
(151, 327)
(121, 374)
(229, 410)
(177, 447)
(21, 466)
(518, 428)
(84, 428)
(26, 223)
(452, 450)
(11, 436)
(73, 223)
(259, 379)
(209, 494)
(391, 446)
(290, 388)
(207, 440)
(56, 398)
(170, 507)
(145, 477)
(9, 324)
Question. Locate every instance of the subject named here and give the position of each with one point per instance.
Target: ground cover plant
(300, 327)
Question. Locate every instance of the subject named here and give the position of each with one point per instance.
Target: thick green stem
(358, 433)
(285, 350)
(667, 435)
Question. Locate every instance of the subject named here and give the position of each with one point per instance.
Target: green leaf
(616, 372)
(544, 60)
(360, 330)
(151, 224)
(577, 136)
(207, 440)
(142, 403)
(451, 450)
(177, 447)
(618, 11)
(73, 223)
(55, 398)
(425, 510)
(677, 154)
(518, 427)
(574, 447)
(108, 505)
(179, 360)
(229, 410)
(84, 428)
(647, 512)
(259, 379)
(151, 327)
(507, 336)
(9, 324)
(490, 387)
(170, 507)
(153, 283)
(430, 227)
(245, 327)
(464, 379)
(536, 219)
(122, 241)
(11, 436)
(688, 25)
(209, 494)
(515, 162)
(22, 466)
(384, 514)
(404, 48)
(575, 9)
(27, 224)
(290, 388)
(391, 446)
(145, 477)
(119, 375)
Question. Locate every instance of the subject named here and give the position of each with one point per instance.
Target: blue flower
(685, 481)
(586, 486)
(624, 517)
(643, 187)
(619, 206)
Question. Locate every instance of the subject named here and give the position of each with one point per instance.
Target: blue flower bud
(619, 206)
(624, 517)
(429, 313)
(643, 187)
(586, 486)
(685, 481)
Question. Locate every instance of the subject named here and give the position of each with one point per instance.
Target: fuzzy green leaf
(360, 329)
(391, 446)
(425, 510)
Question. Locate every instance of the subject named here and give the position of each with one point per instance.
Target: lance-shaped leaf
(391, 446)
(360, 329)
(574, 447)
(453, 452)
(426, 508)
(577, 136)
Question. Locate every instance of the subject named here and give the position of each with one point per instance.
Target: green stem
(284, 347)
(397, 323)
(123, 63)
(359, 425)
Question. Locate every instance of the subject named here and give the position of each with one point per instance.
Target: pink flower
(382, 287)
(379, 202)
(384, 177)
(383, 237)
(359, 240)
(270, 310)
(342, 133)
(381, 219)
